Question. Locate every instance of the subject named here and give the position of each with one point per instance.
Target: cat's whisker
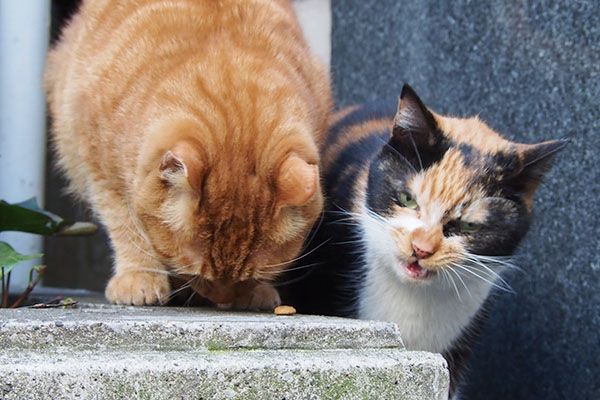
(504, 287)
(498, 260)
(442, 274)
(146, 252)
(504, 260)
(288, 269)
(189, 299)
(348, 217)
(136, 233)
(492, 272)
(355, 216)
(348, 222)
(400, 156)
(313, 232)
(182, 267)
(451, 278)
(489, 266)
(447, 276)
(183, 287)
(461, 280)
(297, 279)
(135, 222)
(157, 271)
(174, 293)
(299, 257)
(490, 262)
(416, 150)
(355, 241)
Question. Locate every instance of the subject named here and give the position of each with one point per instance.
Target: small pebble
(58, 323)
(285, 310)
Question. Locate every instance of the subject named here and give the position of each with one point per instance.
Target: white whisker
(492, 272)
(157, 271)
(299, 278)
(461, 280)
(173, 293)
(455, 287)
(299, 257)
(289, 269)
(146, 252)
(313, 232)
(506, 288)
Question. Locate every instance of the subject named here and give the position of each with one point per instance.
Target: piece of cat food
(285, 310)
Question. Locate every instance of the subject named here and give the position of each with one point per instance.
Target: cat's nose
(420, 253)
(426, 241)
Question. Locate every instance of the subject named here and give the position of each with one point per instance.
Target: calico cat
(421, 215)
(192, 128)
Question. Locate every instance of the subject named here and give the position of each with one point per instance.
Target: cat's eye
(468, 227)
(407, 200)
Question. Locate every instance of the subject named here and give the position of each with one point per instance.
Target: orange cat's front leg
(140, 278)
(138, 287)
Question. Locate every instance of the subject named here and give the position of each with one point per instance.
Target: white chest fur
(429, 317)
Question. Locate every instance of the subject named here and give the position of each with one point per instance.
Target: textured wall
(532, 70)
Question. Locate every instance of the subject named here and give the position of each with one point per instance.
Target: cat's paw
(262, 297)
(138, 288)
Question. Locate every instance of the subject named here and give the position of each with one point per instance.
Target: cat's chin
(415, 274)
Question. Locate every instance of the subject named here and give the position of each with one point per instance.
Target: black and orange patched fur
(192, 128)
(422, 214)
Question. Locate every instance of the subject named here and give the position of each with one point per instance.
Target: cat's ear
(415, 134)
(181, 164)
(534, 163)
(297, 181)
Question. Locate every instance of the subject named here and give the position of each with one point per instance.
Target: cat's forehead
(473, 133)
(450, 183)
(464, 180)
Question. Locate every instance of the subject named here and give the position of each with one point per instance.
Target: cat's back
(116, 50)
(355, 136)
(122, 65)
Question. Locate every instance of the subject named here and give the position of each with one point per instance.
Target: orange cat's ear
(171, 166)
(297, 181)
(534, 163)
(181, 164)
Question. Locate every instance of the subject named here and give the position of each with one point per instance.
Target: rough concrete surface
(107, 326)
(113, 352)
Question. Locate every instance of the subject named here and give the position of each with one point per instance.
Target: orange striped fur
(192, 128)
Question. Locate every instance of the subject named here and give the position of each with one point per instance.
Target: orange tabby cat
(192, 128)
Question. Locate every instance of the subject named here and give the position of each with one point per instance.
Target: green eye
(468, 227)
(407, 200)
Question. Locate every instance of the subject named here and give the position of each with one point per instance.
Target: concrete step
(115, 352)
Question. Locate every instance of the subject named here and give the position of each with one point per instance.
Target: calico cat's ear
(415, 134)
(297, 181)
(181, 164)
(534, 162)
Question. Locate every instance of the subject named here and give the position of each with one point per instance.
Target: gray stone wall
(532, 70)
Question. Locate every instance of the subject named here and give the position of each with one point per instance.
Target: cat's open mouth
(415, 271)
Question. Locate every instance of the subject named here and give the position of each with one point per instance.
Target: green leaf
(28, 217)
(9, 257)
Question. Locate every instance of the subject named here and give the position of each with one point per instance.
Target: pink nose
(419, 253)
